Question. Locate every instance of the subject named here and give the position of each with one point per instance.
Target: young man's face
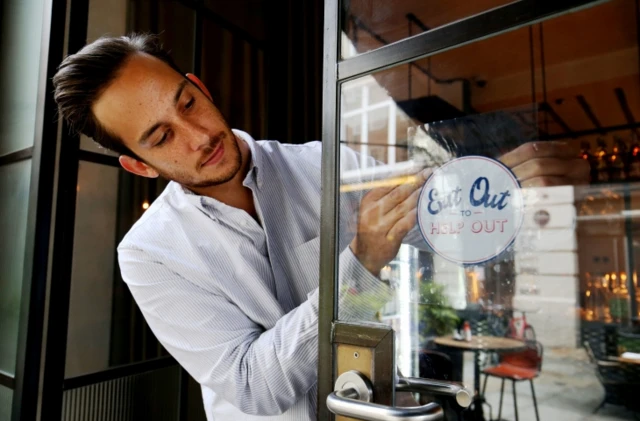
(169, 123)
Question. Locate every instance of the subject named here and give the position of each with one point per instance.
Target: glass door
(480, 207)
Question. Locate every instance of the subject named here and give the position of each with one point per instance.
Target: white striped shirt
(236, 304)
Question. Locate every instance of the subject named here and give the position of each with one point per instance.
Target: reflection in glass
(88, 144)
(90, 302)
(14, 199)
(19, 71)
(106, 329)
(371, 24)
(569, 280)
(6, 397)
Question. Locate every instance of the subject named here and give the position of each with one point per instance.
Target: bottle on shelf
(617, 164)
(634, 158)
(585, 153)
(467, 331)
(602, 161)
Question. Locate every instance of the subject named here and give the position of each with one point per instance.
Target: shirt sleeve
(260, 371)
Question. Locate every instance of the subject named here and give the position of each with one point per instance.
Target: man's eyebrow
(181, 86)
(147, 133)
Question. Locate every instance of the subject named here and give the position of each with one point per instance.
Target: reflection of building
(556, 80)
(372, 124)
(546, 265)
(608, 253)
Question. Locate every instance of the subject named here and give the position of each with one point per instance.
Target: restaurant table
(478, 344)
(625, 360)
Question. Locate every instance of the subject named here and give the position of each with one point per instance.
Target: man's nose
(197, 137)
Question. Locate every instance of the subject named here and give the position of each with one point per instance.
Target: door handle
(436, 387)
(352, 399)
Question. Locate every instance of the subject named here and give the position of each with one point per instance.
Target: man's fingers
(376, 194)
(548, 181)
(580, 172)
(379, 220)
(531, 150)
(401, 209)
(403, 226)
(550, 170)
(410, 182)
(403, 191)
(540, 167)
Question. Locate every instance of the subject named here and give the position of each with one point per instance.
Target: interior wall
(294, 70)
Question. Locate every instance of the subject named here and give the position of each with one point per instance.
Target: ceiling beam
(546, 107)
(582, 133)
(413, 18)
(530, 123)
(588, 111)
(624, 105)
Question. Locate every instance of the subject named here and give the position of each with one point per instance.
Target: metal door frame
(335, 72)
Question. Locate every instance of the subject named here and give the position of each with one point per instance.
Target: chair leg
(484, 386)
(515, 402)
(501, 395)
(535, 402)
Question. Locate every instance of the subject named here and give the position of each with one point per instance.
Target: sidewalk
(567, 390)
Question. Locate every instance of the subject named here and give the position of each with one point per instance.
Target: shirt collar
(255, 167)
(254, 175)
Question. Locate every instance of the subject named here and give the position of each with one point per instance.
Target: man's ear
(193, 78)
(137, 167)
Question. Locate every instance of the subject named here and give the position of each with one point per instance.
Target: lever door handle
(352, 399)
(436, 387)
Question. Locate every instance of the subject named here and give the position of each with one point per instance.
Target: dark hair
(83, 76)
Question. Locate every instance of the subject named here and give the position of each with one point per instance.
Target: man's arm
(260, 371)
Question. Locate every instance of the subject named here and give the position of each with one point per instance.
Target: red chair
(517, 366)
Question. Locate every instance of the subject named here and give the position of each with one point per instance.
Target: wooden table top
(627, 360)
(482, 343)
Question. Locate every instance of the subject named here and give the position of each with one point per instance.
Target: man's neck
(233, 193)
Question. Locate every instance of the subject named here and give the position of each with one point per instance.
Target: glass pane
(87, 144)
(20, 50)
(105, 18)
(105, 328)
(6, 397)
(91, 289)
(371, 24)
(14, 197)
(524, 183)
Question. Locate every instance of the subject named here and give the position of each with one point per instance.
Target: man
(224, 264)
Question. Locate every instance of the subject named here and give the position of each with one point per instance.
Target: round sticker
(470, 210)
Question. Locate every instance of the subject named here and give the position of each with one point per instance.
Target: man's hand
(386, 215)
(544, 164)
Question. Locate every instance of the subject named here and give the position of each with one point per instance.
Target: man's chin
(211, 181)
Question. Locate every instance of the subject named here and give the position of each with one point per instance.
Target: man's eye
(190, 104)
(163, 139)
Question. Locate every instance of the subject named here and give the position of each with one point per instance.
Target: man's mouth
(215, 156)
